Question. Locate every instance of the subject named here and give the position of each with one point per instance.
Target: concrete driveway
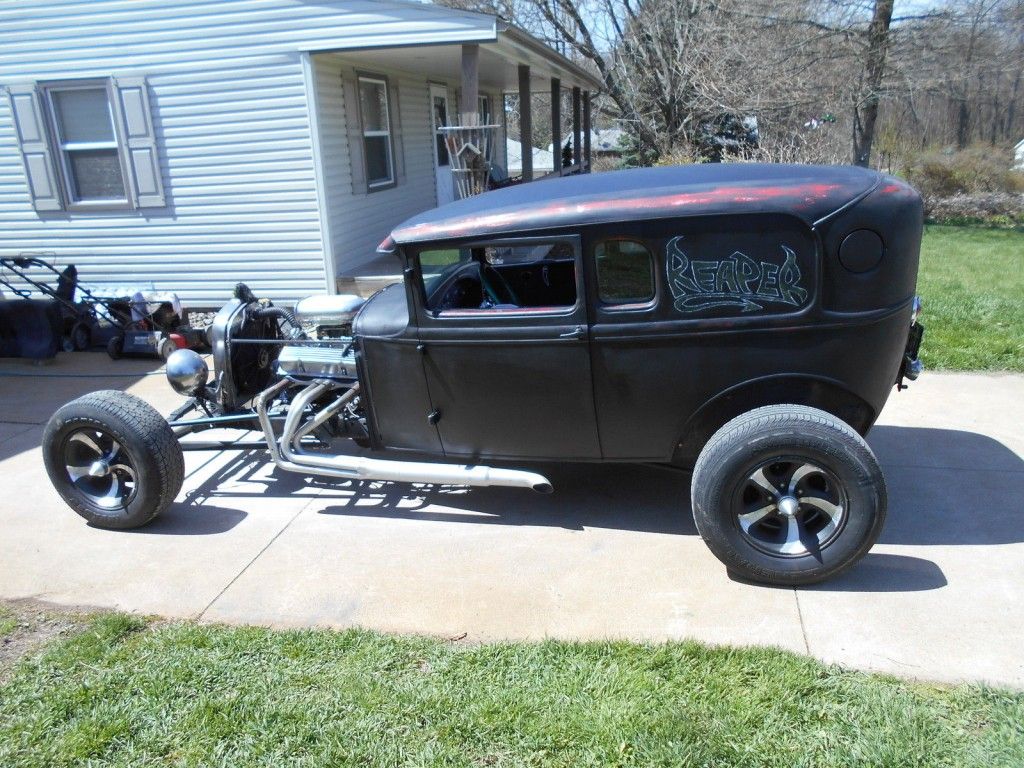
(613, 553)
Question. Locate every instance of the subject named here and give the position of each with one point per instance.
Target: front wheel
(788, 495)
(113, 459)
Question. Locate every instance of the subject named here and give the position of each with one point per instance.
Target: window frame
(389, 134)
(454, 315)
(61, 149)
(625, 306)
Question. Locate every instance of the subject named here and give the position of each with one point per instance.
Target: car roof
(811, 192)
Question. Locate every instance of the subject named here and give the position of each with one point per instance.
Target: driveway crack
(803, 628)
(237, 576)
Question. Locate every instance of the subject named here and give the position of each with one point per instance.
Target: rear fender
(817, 392)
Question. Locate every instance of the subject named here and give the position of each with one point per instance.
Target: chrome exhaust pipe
(289, 455)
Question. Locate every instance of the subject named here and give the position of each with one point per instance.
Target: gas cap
(861, 250)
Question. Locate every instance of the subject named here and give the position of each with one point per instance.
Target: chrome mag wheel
(100, 469)
(790, 507)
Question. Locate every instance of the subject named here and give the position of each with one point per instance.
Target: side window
(374, 111)
(503, 277)
(625, 272)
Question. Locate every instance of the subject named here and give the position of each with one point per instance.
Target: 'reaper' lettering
(736, 281)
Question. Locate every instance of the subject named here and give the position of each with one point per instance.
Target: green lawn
(972, 285)
(125, 693)
(7, 622)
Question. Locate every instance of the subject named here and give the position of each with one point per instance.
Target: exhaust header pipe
(289, 455)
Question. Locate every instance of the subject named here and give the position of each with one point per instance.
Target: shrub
(972, 171)
(976, 185)
(996, 209)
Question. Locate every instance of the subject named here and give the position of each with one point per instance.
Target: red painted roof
(809, 192)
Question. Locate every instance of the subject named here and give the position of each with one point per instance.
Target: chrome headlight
(187, 372)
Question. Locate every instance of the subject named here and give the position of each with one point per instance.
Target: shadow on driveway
(946, 487)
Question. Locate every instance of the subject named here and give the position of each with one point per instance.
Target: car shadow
(949, 487)
(946, 487)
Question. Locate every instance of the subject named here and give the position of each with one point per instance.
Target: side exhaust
(289, 455)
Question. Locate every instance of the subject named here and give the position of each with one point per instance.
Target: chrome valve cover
(331, 311)
(307, 362)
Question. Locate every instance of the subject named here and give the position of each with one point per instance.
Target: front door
(503, 329)
(442, 166)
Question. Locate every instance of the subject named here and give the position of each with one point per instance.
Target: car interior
(499, 277)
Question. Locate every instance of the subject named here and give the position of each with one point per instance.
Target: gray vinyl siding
(233, 134)
(359, 221)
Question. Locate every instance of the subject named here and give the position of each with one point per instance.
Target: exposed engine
(253, 341)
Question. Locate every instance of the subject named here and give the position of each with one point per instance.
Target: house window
(484, 109)
(625, 272)
(88, 145)
(376, 126)
(88, 154)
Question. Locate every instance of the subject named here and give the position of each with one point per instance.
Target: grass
(123, 693)
(7, 622)
(972, 285)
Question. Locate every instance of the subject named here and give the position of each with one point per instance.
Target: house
(188, 145)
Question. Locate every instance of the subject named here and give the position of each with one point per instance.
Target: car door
(508, 371)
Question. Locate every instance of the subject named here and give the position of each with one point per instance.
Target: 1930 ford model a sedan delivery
(748, 321)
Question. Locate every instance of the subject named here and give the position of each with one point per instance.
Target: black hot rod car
(748, 321)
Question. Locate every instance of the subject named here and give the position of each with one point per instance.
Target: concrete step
(365, 285)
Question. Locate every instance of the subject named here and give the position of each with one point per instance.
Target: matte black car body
(773, 284)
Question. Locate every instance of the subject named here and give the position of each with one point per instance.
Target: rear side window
(625, 272)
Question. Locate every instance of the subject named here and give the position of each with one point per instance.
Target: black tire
(81, 337)
(142, 459)
(825, 514)
(165, 348)
(115, 347)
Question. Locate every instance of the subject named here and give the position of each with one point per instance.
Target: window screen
(87, 144)
(625, 272)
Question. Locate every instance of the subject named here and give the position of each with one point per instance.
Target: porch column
(586, 130)
(468, 108)
(577, 148)
(525, 122)
(556, 124)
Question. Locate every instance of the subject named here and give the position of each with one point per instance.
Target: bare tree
(865, 109)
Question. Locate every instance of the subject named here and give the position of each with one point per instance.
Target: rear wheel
(81, 337)
(788, 495)
(115, 347)
(166, 347)
(113, 459)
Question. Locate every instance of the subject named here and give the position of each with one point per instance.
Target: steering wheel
(496, 286)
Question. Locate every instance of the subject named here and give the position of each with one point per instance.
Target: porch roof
(503, 47)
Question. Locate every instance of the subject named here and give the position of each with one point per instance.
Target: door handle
(579, 332)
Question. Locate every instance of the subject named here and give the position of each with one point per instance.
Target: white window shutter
(395, 110)
(143, 160)
(34, 144)
(354, 131)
